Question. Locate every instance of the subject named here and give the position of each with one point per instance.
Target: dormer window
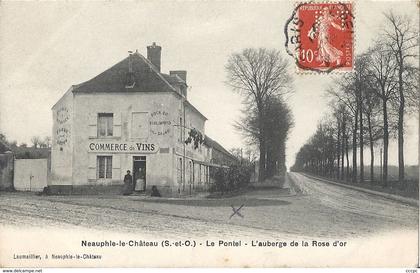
(130, 81)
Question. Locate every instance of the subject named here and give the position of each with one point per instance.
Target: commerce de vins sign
(122, 147)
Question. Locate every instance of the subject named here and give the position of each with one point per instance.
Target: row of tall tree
(368, 107)
(37, 150)
(37, 142)
(261, 77)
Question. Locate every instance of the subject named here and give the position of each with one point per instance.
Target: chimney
(130, 64)
(130, 81)
(153, 55)
(183, 75)
(180, 73)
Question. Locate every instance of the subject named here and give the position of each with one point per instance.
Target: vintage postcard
(209, 134)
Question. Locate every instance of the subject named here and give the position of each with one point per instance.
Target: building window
(104, 167)
(105, 124)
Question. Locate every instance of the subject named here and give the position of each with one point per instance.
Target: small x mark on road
(236, 211)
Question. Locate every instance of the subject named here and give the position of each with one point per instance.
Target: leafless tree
(36, 141)
(277, 123)
(401, 40)
(258, 74)
(344, 92)
(371, 109)
(47, 141)
(383, 70)
(360, 79)
(341, 114)
(318, 154)
(376, 98)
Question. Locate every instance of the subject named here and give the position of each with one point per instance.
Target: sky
(45, 47)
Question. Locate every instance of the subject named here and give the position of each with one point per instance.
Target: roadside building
(218, 155)
(130, 117)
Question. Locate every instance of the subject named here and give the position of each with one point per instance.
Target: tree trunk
(262, 163)
(354, 154)
(282, 159)
(386, 140)
(361, 138)
(347, 159)
(401, 127)
(262, 142)
(338, 148)
(343, 137)
(269, 160)
(372, 154)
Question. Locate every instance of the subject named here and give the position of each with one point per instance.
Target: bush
(232, 178)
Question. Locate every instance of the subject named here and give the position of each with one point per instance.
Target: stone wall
(6, 172)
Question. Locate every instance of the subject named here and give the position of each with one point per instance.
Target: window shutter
(93, 120)
(92, 167)
(117, 124)
(116, 167)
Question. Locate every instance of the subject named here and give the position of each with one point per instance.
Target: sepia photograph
(168, 134)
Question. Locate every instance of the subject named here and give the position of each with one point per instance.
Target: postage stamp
(319, 35)
(197, 141)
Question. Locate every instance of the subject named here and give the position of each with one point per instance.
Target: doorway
(139, 173)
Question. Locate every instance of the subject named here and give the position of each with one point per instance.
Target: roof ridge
(76, 86)
(220, 146)
(155, 70)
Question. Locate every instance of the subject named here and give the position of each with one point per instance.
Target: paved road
(317, 210)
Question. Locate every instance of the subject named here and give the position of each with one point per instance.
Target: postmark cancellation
(320, 36)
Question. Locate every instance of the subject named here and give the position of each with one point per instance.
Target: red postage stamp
(320, 36)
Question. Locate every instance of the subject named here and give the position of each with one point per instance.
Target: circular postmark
(319, 36)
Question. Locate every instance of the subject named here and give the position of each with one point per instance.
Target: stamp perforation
(326, 52)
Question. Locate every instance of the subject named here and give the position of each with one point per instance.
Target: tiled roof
(115, 79)
(188, 104)
(144, 74)
(173, 79)
(215, 145)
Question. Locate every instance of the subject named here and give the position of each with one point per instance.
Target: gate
(30, 174)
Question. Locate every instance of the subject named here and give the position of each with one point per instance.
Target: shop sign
(122, 147)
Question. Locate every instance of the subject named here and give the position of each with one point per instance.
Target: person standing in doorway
(139, 179)
(128, 184)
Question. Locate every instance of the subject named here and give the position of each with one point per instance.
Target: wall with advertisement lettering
(146, 118)
(62, 140)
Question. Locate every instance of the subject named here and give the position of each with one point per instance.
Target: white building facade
(130, 117)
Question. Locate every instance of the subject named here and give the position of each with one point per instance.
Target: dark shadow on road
(248, 202)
